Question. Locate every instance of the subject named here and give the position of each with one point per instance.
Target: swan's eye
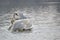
(16, 14)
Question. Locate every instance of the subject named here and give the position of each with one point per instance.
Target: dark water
(45, 20)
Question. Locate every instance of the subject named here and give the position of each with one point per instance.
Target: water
(45, 20)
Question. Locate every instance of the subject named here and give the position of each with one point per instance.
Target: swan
(20, 24)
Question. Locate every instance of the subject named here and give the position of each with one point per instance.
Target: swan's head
(16, 14)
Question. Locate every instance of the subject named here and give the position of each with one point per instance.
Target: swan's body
(20, 24)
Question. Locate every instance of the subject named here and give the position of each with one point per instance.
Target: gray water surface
(45, 20)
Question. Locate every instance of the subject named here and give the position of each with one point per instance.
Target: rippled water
(45, 21)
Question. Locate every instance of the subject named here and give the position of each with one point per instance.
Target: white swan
(22, 24)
